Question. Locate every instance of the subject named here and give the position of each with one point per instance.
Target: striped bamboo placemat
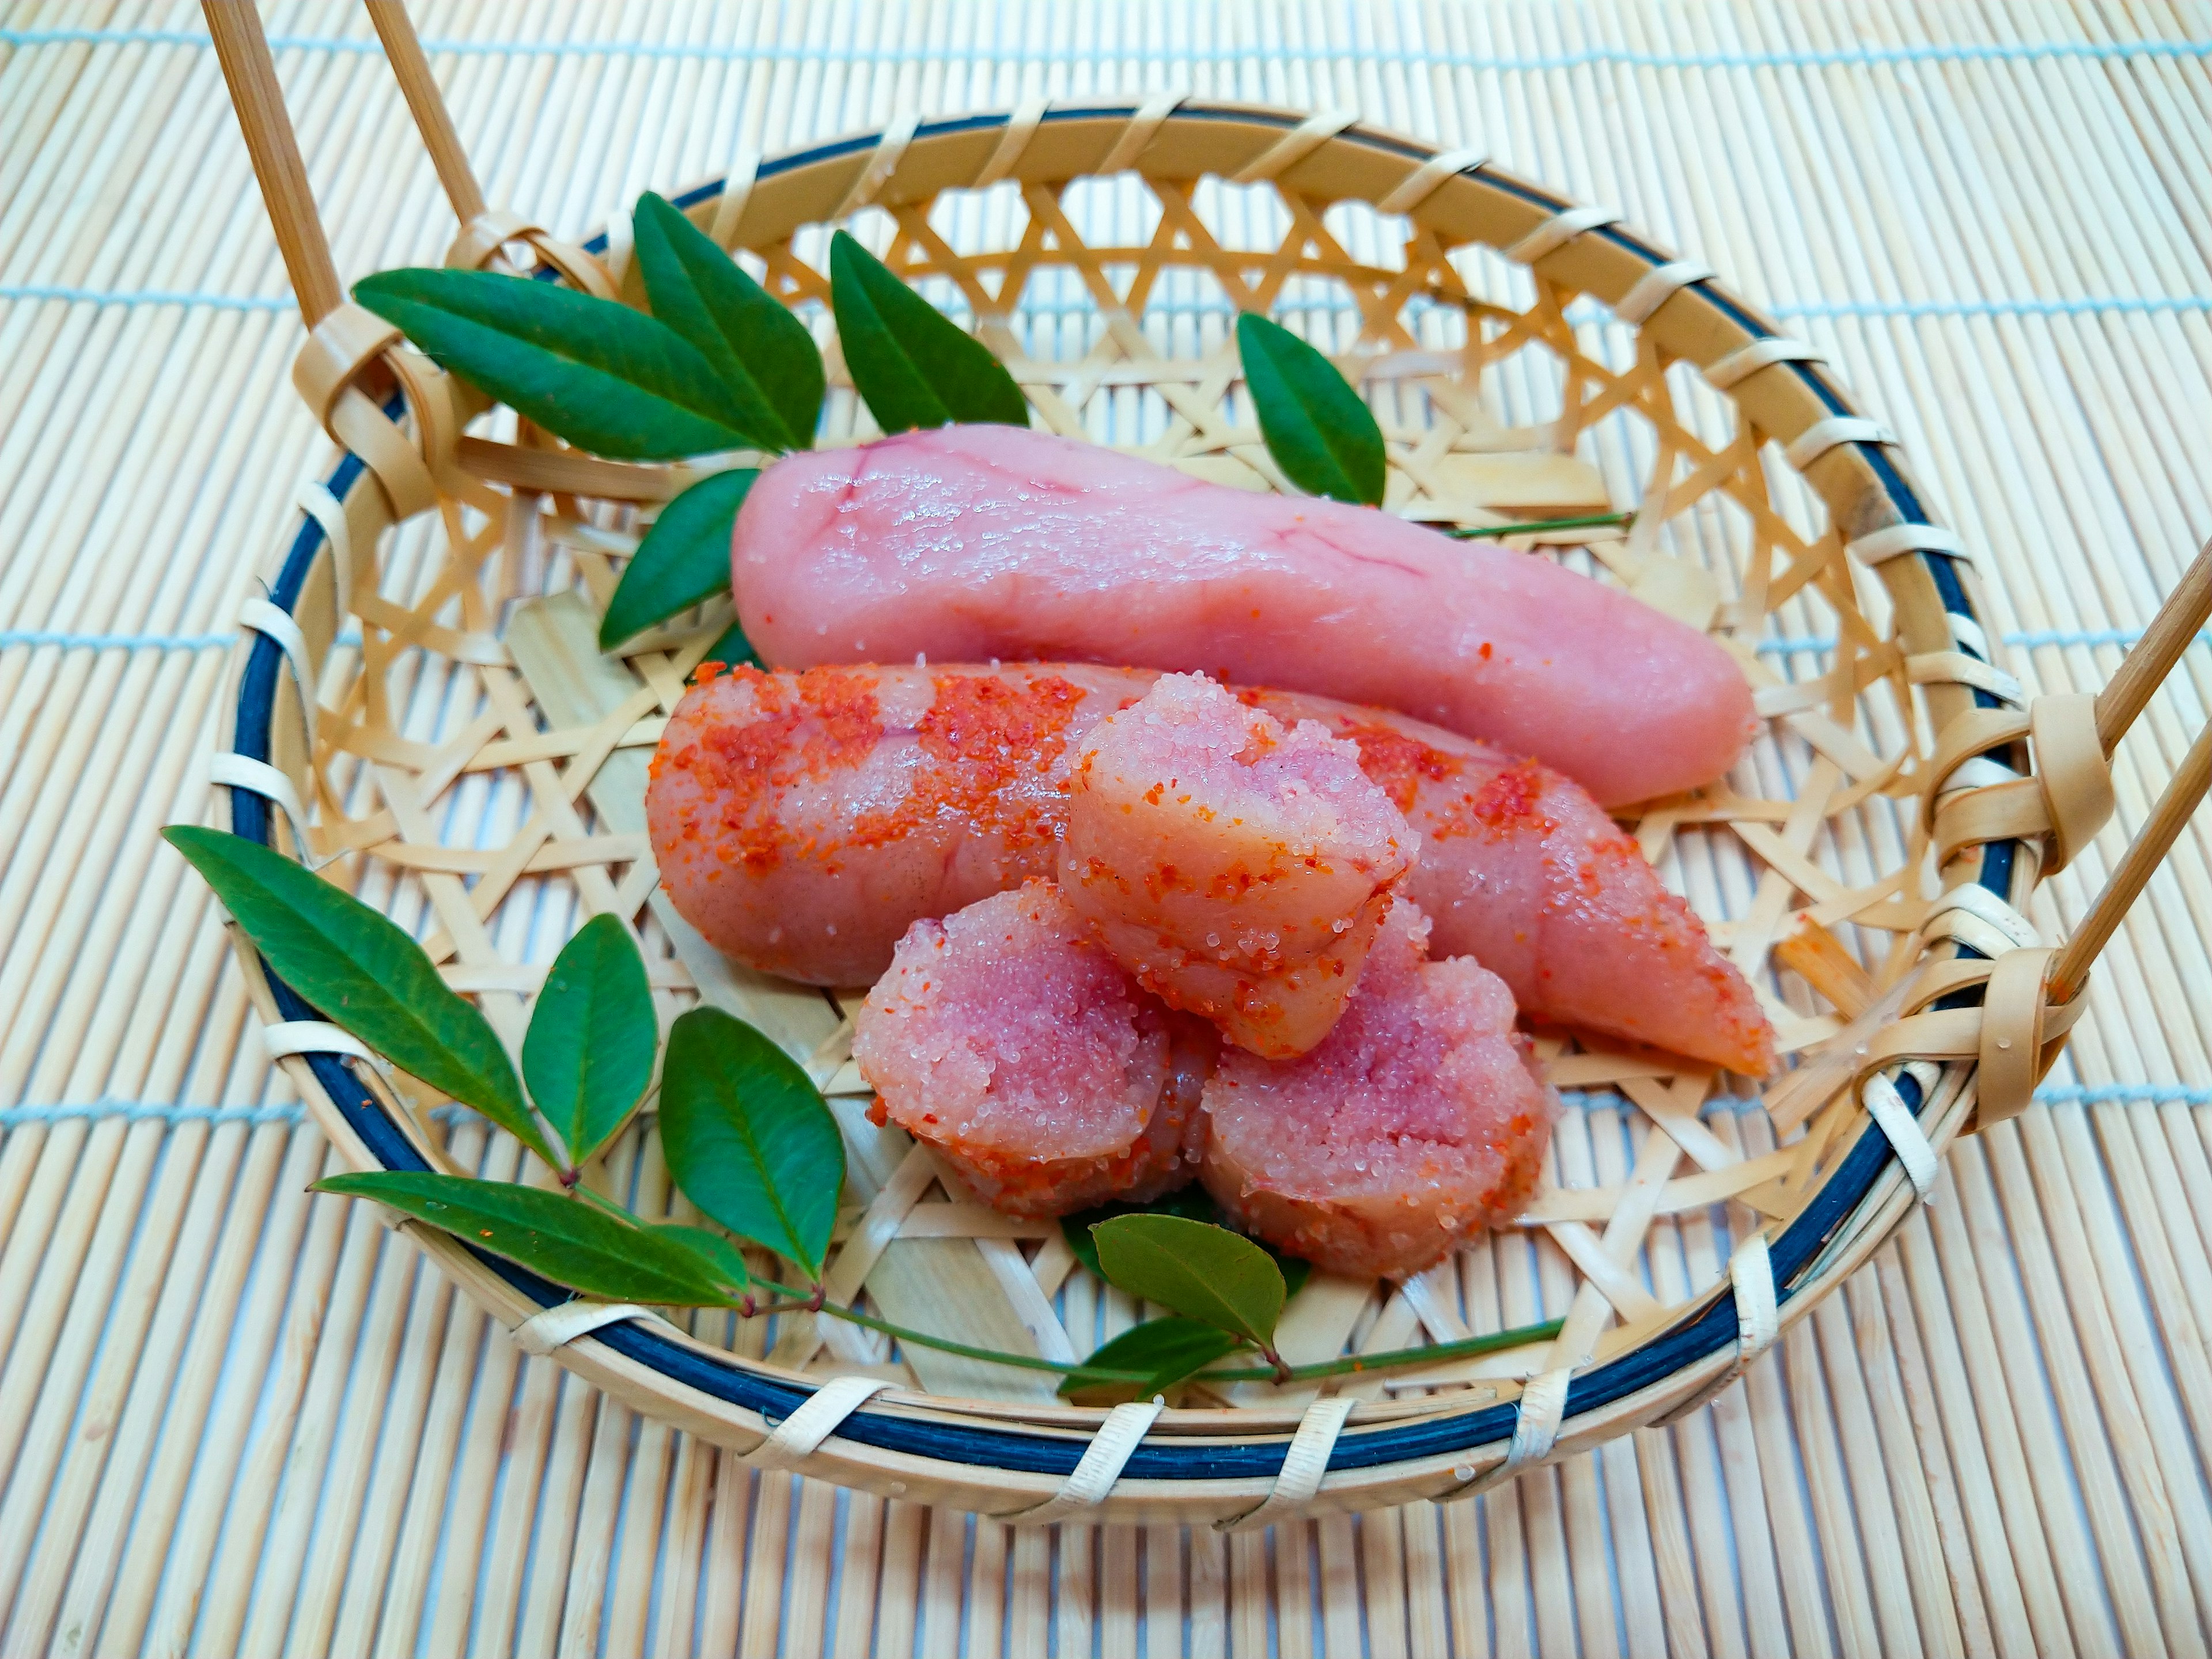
(235, 1420)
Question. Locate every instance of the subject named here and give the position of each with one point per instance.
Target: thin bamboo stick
(2152, 842)
(259, 99)
(403, 52)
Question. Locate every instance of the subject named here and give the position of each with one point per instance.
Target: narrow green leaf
(913, 366)
(1203, 1272)
(763, 353)
(363, 973)
(684, 559)
(1161, 1352)
(732, 650)
(608, 378)
(727, 1260)
(748, 1138)
(588, 1053)
(1193, 1202)
(556, 1236)
(1319, 431)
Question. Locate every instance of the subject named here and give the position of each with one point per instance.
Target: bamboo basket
(418, 710)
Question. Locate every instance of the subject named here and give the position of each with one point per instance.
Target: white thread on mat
(1877, 545)
(1424, 180)
(1556, 231)
(902, 55)
(1818, 439)
(1304, 1462)
(285, 1037)
(793, 1441)
(1137, 138)
(271, 622)
(1906, 1137)
(1658, 285)
(1294, 146)
(1117, 1438)
(1741, 364)
(1535, 1430)
(1021, 127)
(891, 149)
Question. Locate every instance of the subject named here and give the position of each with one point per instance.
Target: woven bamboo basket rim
(1018, 1459)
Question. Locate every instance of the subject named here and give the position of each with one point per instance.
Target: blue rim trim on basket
(724, 1378)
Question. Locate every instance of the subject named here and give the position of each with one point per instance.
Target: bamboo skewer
(2179, 620)
(255, 93)
(403, 50)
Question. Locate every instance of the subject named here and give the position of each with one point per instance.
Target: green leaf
(1203, 1272)
(1161, 1352)
(1193, 1201)
(554, 1236)
(608, 378)
(684, 559)
(912, 364)
(729, 1262)
(363, 973)
(588, 1053)
(1319, 431)
(763, 354)
(732, 650)
(748, 1138)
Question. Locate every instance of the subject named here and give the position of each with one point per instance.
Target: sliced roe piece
(1238, 867)
(1006, 1038)
(1418, 1120)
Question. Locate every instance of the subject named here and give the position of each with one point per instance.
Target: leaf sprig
(717, 365)
(747, 1136)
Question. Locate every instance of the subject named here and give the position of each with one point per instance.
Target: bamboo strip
(1929, 338)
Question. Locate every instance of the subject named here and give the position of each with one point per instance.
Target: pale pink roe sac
(1237, 867)
(1420, 1119)
(1008, 1039)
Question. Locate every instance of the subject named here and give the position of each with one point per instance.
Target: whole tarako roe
(975, 543)
(803, 821)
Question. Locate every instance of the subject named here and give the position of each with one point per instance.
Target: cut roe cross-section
(1419, 1121)
(1236, 867)
(1005, 1037)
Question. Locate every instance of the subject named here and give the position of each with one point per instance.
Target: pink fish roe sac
(1236, 867)
(1008, 1039)
(1418, 1120)
(969, 542)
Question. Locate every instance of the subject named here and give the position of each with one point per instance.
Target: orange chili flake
(1398, 764)
(802, 725)
(984, 732)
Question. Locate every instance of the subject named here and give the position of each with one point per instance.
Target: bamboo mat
(232, 1420)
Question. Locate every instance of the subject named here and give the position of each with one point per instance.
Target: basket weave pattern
(469, 572)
